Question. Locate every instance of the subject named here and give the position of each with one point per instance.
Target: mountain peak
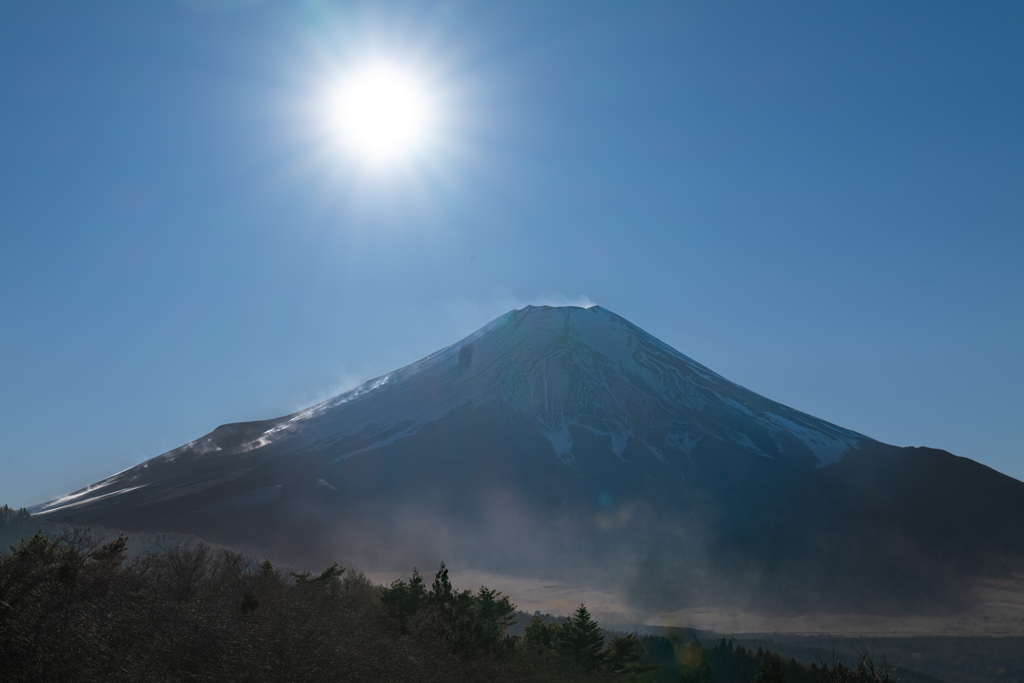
(570, 368)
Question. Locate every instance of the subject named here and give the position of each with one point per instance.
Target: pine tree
(403, 599)
(417, 591)
(492, 615)
(622, 655)
(580, 637)
(267, 570)
(441, 593)
(538, 636)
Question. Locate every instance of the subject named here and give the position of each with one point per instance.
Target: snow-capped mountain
(550, 437)
(562, 369)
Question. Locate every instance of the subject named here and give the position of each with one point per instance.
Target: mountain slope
(567, 440)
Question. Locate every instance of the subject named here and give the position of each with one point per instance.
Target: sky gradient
(823, 203)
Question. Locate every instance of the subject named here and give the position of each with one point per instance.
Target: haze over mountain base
(996, 609)
(567, 445)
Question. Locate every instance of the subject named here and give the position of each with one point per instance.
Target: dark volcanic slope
(567, 439)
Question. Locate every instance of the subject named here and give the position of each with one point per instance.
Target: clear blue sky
(823, 202)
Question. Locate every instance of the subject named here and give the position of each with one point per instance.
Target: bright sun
(383, 114)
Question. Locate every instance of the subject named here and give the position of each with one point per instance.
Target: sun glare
(383, 114)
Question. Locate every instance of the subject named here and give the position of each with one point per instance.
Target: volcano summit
(568, 442)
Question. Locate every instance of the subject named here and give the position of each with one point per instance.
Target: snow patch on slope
(828, 447)
(53, 507)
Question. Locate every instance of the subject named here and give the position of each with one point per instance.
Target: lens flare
(612, 514)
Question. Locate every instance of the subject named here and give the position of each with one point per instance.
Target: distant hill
(567, 442)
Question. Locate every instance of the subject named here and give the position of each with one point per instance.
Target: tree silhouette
(580, 637)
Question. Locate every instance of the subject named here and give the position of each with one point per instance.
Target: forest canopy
(77, 608)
